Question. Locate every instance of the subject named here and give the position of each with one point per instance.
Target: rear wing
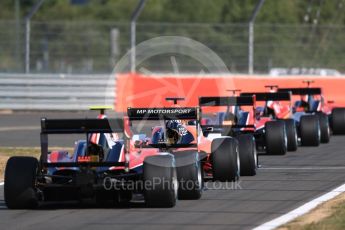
(175, 113)
(69, 126)
(302, 91)
(281, 96)
(178, 113)
(227, 101)
(78, 126)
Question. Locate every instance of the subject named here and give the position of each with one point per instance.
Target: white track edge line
(304, 168)
(305, 208)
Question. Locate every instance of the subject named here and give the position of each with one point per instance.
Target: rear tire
(338, 121)
(20, 179)
(247, 153)
(189, 175)
(160, 181)
(291, 133)
(275, 137)
(225, 160)
(310, 130)
(324, 127)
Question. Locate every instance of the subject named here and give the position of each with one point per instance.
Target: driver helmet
(173, 131)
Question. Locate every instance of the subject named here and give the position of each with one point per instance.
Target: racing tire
(247, 153)
(292, 136)
(20, 179)
(324, 128)
(225, 159)
(310, 130)
(160, 181)
(275, 138)
(189, 175)
(338, 121)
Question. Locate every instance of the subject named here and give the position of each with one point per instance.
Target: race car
(312, 100)
(239, 121)
(224, 163)
(162, 129)
(217, 138)
(276, 106)
(102, 167)
(311, 115)
(170, 131)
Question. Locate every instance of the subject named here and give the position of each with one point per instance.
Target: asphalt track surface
(282, 184)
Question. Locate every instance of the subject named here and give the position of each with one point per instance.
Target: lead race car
(104, 166)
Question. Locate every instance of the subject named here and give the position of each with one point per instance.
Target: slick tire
(338, 121)
(310, 130)
(324, 128)
(20, 178)
(247, 153)
(189, 175)
(292, 136)
(160, 181)
(275, 138)
(225, 159)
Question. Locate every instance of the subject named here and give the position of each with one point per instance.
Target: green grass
(330, 215)
(20, 151)
(335, 222)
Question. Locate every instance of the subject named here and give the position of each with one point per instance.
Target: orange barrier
(137, 90)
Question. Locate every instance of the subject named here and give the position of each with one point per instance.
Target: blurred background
(57, 56)
(89, 36)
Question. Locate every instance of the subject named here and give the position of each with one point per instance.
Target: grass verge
(329, 215)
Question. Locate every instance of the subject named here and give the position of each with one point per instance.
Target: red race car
(236, 117)
(274, 106)
(311, 101)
